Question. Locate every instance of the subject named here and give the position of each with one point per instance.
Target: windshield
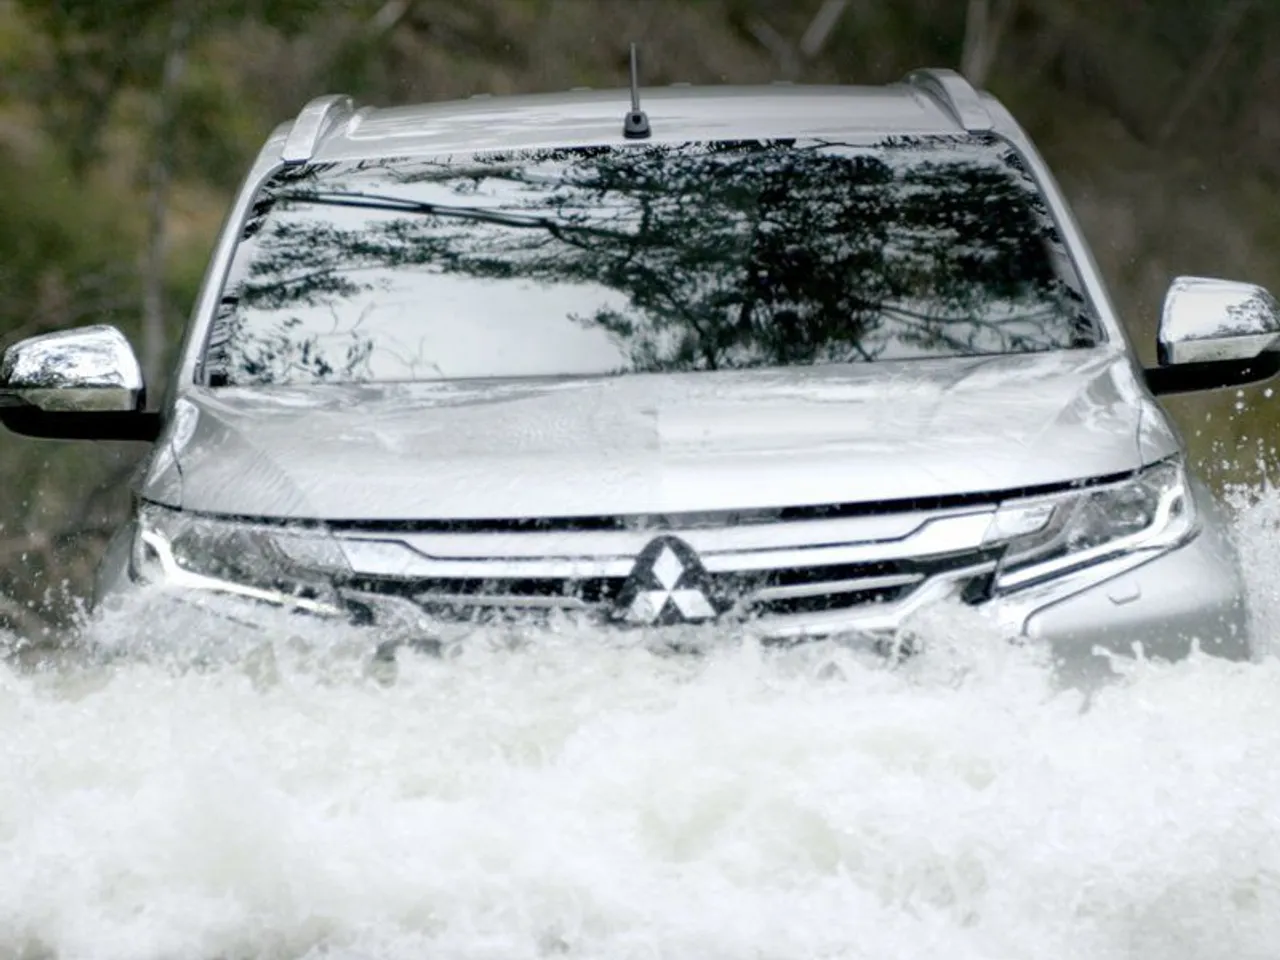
(642, 259)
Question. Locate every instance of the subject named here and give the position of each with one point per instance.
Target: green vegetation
(125, 125)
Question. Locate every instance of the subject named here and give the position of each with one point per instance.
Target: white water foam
(575, 797)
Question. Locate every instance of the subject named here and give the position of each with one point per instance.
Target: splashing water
(574, 796)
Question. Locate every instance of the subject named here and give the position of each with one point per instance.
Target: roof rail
(315, 120)
(954, 94)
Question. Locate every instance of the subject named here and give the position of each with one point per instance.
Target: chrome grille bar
(502, 600)
(583, 555)
(823, 588)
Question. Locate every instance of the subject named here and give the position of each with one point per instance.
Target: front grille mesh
(475, 599)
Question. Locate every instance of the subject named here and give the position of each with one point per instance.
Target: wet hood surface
(654, 443)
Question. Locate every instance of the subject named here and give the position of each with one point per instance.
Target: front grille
(859, 569)
(773, 591)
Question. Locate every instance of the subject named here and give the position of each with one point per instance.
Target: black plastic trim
(142, 426)
(1216, 375)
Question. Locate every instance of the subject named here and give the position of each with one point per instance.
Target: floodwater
(572, 796)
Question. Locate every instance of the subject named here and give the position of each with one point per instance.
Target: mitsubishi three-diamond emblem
(667, 585)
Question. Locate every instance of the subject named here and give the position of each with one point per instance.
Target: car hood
(656, 443)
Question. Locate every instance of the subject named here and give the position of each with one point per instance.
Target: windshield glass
(640, 259)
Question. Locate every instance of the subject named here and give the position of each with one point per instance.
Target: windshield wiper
(373, 201)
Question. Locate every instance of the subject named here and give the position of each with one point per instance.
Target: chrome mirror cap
(1207, 320)
(90, 369)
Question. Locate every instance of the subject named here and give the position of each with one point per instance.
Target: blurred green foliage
(1159, 117)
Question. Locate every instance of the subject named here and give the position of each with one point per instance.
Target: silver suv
(810, 360)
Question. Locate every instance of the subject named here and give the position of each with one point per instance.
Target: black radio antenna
(636, 124)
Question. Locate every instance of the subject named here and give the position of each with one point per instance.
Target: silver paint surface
(666, 443)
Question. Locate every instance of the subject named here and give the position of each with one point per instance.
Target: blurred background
(125, 126)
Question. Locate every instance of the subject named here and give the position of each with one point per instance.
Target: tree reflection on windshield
(645, 259)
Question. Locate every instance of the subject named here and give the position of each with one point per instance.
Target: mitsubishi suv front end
(810, 360)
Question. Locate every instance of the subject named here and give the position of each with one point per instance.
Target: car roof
(336, 131)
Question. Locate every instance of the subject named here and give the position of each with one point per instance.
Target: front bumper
(1158, 604)
(1159, 608)
(1192, 596)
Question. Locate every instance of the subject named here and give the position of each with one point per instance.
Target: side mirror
(1214, 334)
(90, 369)
(76, 384)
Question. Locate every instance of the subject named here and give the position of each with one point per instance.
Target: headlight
(287, 567)
(1049, 537)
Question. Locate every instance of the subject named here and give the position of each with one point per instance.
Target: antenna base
(635, 126)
